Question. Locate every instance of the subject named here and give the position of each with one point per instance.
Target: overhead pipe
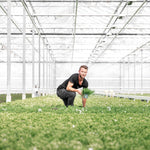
(82, 15)
(106, 27)
(84, 1)
(29, 62)
(30, 16)
(40, 25)
(138, 48)
(97, 28)
(77, 34)
(15, 25)
(74, 33)
(121, 29)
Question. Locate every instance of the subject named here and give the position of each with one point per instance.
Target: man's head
(83, 71)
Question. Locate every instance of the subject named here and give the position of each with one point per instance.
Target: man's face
(83, 72)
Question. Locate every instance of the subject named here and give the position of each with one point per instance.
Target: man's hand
(79, 92)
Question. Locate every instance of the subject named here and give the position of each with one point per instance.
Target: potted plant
(86, 92)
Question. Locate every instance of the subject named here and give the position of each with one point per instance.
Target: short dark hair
(83, 66)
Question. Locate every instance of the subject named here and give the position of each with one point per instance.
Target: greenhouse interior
(74, 74)
(43, 42)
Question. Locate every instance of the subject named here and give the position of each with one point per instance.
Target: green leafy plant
(87, 91)
(106, 123)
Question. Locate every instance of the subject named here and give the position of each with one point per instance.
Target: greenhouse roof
(88, 31)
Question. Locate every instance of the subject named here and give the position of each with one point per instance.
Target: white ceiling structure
(78, 30)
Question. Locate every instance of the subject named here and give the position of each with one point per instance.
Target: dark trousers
(67, 96)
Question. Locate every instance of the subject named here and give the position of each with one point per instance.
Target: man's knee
(58, 93)
(72, 94)
(63, 93)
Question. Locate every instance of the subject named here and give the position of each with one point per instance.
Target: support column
(128, 76)
(24, 56)
(54, 78)
(43, 69)
(141, 72)
(120, 78)
(123, 76)
(134, 75)
(8, 97)
(39, 86)
(49, 74)
(46, 72)
(33, 65)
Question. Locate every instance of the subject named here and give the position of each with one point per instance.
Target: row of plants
(44, 123)
(137, 94)
(14, 97)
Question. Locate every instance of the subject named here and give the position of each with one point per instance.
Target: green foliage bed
(46, 124)
(13, 97)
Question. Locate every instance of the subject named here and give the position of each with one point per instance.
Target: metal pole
(54, 78)
(33, 79)
(8, 97)
(46, 72)
(39, 86)
(43, 69)
(134, 75)
(128, 76)
(24, 49)
(49, 74)
(141, 71)
(123, 75)
(120, 78)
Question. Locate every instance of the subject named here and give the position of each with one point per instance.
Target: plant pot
(85, 96)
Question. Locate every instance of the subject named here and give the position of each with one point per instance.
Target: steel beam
(8, 97)
(24, 56)
(123, 75)
(138, 48)
(87, 15)
(94, 33)
(141, 71)
(39, 85)
(71, 1)
(112, 62)
(31, 17)
(120, 77)
(33, 64)
(74, 31)
(128, 74)
(134, 75)
(21, 32)
(49, 73)
(43, 93)
(54, 75)
(122, 28)
(46, 72)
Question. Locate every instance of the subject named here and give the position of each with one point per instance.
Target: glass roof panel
(80, 31)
